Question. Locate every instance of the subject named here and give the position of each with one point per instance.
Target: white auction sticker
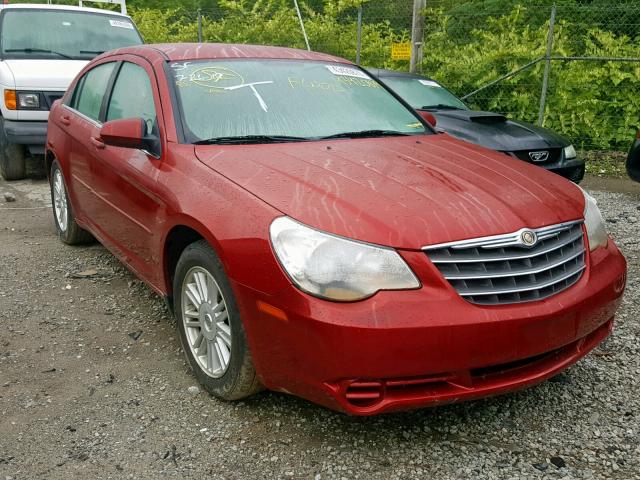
(347, 72)
(121, 24)
(429, 83)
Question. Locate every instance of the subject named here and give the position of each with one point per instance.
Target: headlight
(28, 100)
(593, 221)
(336, 268)
(570, 152)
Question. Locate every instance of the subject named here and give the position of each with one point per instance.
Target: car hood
(405, 192)
(44, 74)
(495, 131)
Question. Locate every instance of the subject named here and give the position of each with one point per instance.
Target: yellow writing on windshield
(299, 82)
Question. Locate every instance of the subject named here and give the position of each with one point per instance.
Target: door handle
(99, 144)
(65, 120)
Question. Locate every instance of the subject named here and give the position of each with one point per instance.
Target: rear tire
(211, 330)
(13, 165)
(68, 230)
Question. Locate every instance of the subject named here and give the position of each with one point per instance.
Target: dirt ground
(93, 384)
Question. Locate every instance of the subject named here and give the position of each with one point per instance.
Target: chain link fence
(572, 67)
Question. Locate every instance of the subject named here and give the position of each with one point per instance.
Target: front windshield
(278, 98)
(421, 93)
(60, 34)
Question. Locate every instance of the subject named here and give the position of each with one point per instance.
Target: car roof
(39, 6)
(203, 51)
(384, 73)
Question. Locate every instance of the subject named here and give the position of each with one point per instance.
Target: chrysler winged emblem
(528, 238)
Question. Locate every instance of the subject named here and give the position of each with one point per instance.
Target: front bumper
(410, 349)
(572, 169)
(33, 134)
(633, 161)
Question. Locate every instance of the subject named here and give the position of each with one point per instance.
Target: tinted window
(132, 96)
(280, 97)
(92, 88)
(34, 33)
(423, 93)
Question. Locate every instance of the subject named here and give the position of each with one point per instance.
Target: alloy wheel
(206, 321)
(60, 201)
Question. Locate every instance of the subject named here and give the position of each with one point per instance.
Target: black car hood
(495, 131)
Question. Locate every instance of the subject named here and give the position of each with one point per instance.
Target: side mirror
(428, 117)
(129, 133)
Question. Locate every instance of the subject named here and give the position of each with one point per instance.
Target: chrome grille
(501, 269)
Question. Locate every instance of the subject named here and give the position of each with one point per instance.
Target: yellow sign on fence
(401, 51)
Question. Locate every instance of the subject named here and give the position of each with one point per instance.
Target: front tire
(210, 326)
(68, 230)
(13, 158)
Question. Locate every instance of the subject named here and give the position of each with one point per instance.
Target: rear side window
(91, 89)
(132, 96)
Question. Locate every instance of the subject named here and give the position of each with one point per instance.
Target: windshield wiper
(97, 52)
(440, 106)
(248, 139)
(37, 50)
(367, 134)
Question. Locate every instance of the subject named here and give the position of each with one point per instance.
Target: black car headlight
(570, 152)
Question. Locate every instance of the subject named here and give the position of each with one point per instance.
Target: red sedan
(315, 236)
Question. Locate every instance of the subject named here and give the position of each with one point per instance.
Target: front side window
(422, 93)
(283, 98)
(132, 96)
(59, 34)
(91, 90)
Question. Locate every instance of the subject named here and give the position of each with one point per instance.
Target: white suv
(42, 49)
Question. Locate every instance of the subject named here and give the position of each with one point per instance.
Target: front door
(125, 180)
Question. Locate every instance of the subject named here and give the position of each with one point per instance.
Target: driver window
(132, 96)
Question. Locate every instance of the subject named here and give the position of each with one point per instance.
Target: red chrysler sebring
(314, 235)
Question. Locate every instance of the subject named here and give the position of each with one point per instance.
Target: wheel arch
(49, 157)
(177, 239)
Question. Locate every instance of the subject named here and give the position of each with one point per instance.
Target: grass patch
(605, 164)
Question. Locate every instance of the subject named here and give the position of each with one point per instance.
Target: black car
(519, 139)
(633, 160)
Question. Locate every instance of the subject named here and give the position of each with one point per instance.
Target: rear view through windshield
(59, 34)
(423, 93)
(239, 98)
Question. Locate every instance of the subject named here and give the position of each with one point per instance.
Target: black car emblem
(541, 156)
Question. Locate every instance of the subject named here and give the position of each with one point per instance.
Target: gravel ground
(93, 385)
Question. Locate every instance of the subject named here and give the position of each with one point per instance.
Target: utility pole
(304, 31)
(417, 34)
(547, 66)
(359, 36)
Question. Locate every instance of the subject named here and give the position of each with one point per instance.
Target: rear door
(80, 119)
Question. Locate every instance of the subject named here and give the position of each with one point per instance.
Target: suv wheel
(12, 157)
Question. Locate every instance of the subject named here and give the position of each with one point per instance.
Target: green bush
(592, 102)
